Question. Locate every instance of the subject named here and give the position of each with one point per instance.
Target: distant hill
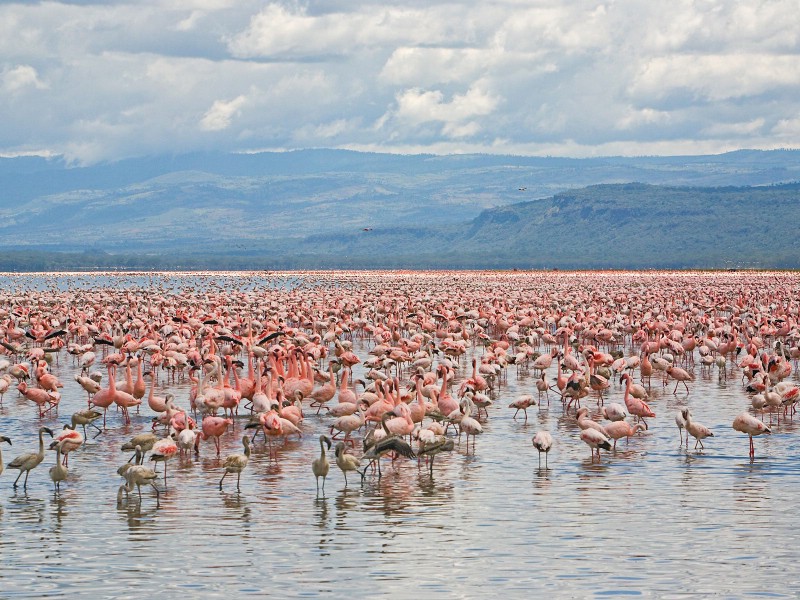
(323, 209)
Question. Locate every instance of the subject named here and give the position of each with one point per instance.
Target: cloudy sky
(98, 80)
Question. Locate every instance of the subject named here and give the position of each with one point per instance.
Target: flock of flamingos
(435, 352)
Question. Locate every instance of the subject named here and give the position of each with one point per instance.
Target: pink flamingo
(680, 376)
(621, 429)
(214, 427)
(105, 396)
(646, 368)
(747, 423)
(247, 385)
(292, 411)
(162, 451)
(447, 404)
(597, 382)
(638, 408)
(384, 404)
(522, 404)
(348, 424)
(47, 381)
(39, 396)
(595, 440)
(402, 424)
(156, 403)
(543, 441)
(125, 401)
(68, 440)
(326, 392)
(544, 361)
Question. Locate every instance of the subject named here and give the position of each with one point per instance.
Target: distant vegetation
(335, 209)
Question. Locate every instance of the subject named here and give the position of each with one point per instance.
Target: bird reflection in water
(346, 501)
(440, 489)
(391, 494)
(59, 506)
(25, 508)
(323, 524)
(751, 492)
(140, 516)
(233, 500)
(541, 479)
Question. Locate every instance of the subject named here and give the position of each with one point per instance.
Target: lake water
(650, 519)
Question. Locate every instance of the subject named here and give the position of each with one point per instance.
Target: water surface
(652, 519)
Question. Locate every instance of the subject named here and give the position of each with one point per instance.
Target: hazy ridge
(326, 208)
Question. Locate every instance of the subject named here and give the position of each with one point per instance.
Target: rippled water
(652, 518)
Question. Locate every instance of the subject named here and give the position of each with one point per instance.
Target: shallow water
(652, 518)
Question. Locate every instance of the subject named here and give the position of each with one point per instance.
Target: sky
(101, 80)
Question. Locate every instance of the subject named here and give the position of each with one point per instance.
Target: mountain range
(343, 209)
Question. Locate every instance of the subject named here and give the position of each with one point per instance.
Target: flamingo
(680, 421)
(346, 462)
(214, 427)
(30, 460)
(88, 384)
(543, 442)
(156, 403)
(104, 397)
(7, 441)
(747, 423)
(584, 422)
(543, 362)
(433, 447)
(349, 423)
(522, 403)
(387, 443)
(621, 429)
(236, 463)
(326, 392)
(614, 412)
(543, 387)
(162, 451)
(595, 440)
(138, 475)
(143, 441)
(638, 408)
(469, 425)
(67, 440)
(58, 472)
(699, 432)
(321, 465)
(39, 396)
(680, 376)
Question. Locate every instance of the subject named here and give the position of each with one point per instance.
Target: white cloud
(220, 115)
(103, 80)
(20, 77)
(418, 106)
(717, 77)
(734, 129)
(281, 32)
